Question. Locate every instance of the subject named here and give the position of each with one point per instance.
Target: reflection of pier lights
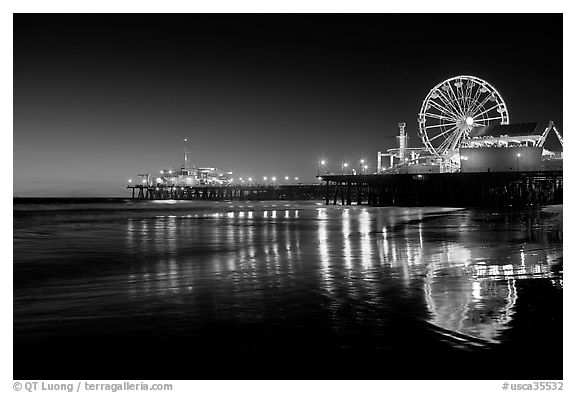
(478, 308)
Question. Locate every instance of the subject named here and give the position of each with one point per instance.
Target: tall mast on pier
(186, 153)
(402, 142)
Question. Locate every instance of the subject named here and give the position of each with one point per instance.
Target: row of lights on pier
(266, 179)
(344, 167)
(272, 179)
(242, 180)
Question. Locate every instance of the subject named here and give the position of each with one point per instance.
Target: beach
(282, 290)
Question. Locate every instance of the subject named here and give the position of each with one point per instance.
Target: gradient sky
(101, 98)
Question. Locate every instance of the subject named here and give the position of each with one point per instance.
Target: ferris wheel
(453, 108)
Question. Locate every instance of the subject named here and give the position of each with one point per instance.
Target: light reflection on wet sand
(469, 285)
(278, 264)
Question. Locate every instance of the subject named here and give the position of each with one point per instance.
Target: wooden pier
(235, 192)
(491, 189)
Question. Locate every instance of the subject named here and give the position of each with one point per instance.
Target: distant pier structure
(227, 192)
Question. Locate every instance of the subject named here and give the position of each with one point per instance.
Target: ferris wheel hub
(469, 121)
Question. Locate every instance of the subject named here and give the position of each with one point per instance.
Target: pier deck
(488, 189)
(235, 192)
(446, 189)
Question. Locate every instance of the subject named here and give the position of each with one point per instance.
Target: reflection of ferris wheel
(453, 108)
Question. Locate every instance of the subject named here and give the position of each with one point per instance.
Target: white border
(333, 6)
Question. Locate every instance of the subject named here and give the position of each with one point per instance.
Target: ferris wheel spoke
(490, 118)
(462, 98)
(439, 117)
(459, 93)
(473, 104)
(481, 105)
(463, 94)
(477, 95)
(448, 103)
(451, 142)
(485, 111)
(442, 133)
(457, 139)
(447, 142)
(441, 125)
(456, 98)
(449, 100)
(471, 100)
(449, 114)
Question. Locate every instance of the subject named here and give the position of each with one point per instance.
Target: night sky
(101, 98)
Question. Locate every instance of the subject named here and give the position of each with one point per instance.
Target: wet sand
(266, 290)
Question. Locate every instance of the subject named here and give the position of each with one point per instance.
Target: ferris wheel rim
(455, 112)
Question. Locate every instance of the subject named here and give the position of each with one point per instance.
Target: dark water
(265, 290)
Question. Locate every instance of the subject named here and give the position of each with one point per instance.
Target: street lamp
(518, 162)
(296, 179)
(344, 165)
(365, 168)
(273, 178)
(322, 163)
